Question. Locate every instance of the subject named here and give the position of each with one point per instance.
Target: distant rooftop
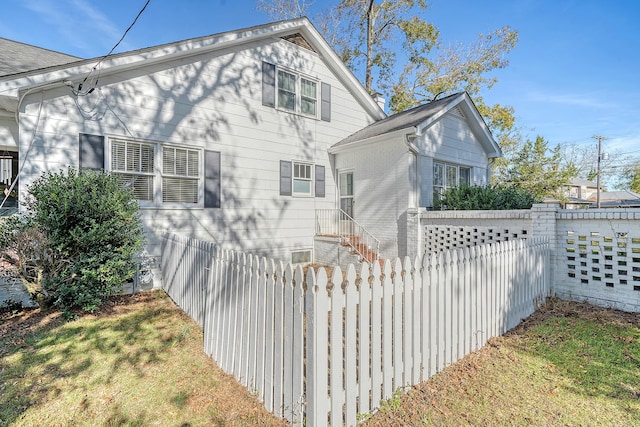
(16, 57)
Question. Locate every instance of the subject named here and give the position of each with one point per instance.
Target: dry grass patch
(568, 364)
(139, 361)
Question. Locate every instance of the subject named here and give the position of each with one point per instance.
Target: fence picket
(337, 357)
(376, 336)
(407, 321)
(269, 317)
(317, 303)
(387, 332)
(416, 321)
(364, 348)
(397, 325)
(297, 352)
(351, 347)
(278, 356)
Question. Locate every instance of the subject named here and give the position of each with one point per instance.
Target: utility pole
(600, 139)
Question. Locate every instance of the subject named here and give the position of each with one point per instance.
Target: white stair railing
(336, 222)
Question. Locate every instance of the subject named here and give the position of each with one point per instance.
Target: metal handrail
(336, 222)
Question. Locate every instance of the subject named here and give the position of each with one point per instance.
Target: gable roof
(419, 118)
(17, 57)
(74, 73)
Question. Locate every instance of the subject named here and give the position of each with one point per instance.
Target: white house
(241, 138)
(398, 163)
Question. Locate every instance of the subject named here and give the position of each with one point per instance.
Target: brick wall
(595, 254)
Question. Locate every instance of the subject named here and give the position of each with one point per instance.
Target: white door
(346, 192)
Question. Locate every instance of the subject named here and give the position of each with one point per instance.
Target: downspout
(413, 241)
(408, 140)
(17, 117)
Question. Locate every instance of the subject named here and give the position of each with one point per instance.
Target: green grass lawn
(137, 362)
(568, 365)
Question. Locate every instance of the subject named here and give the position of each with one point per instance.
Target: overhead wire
(79, 90)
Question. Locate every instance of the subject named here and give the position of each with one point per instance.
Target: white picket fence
(319, 350)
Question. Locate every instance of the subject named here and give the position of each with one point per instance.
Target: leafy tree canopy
(398, 53)
(538, 169)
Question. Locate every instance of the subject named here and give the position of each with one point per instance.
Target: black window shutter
(319, 181)
(268, 84)
(325, 105)
(211, 179)
(91, 151)
(285, 178)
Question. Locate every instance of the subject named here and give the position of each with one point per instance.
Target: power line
(79, 90)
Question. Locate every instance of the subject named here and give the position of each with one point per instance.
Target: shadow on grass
(84, 354)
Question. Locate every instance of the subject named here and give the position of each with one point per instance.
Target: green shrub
(484, 198)
(92, 228)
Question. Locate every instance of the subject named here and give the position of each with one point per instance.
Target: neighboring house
(580, 193)
(15, 58)
(619, 199)
(583, 193)
(242, 137)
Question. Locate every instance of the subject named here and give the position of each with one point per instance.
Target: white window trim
(311, 180)
(298, 92)
(157, 202)
(447, 185)
(299, 251)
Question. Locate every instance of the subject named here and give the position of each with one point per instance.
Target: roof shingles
(16, 57)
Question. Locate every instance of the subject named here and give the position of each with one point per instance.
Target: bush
(484, 198)
(89, 232)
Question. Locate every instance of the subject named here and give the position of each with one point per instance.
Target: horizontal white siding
(8, 132)
(213, 103)
(451, 140)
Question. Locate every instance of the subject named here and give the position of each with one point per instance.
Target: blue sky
(572, 75)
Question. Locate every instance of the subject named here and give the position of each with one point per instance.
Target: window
(292, 91)
(300, 257)
(165, 174)
(180, 175)
(447, 175)
(297, 93)
(286, 90)
(133, 162)
(308, 97)
(302, 179)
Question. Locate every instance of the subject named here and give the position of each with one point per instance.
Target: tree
(539, 170)
(631, 177)
(75, 246)
(398, 53)
(284, 9)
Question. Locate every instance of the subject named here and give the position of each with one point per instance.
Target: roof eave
(411, 130)
(153, 55)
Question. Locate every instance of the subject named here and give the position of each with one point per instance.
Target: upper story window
(292, 91)
(447, 176)
(297, 93)
(308, 97)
